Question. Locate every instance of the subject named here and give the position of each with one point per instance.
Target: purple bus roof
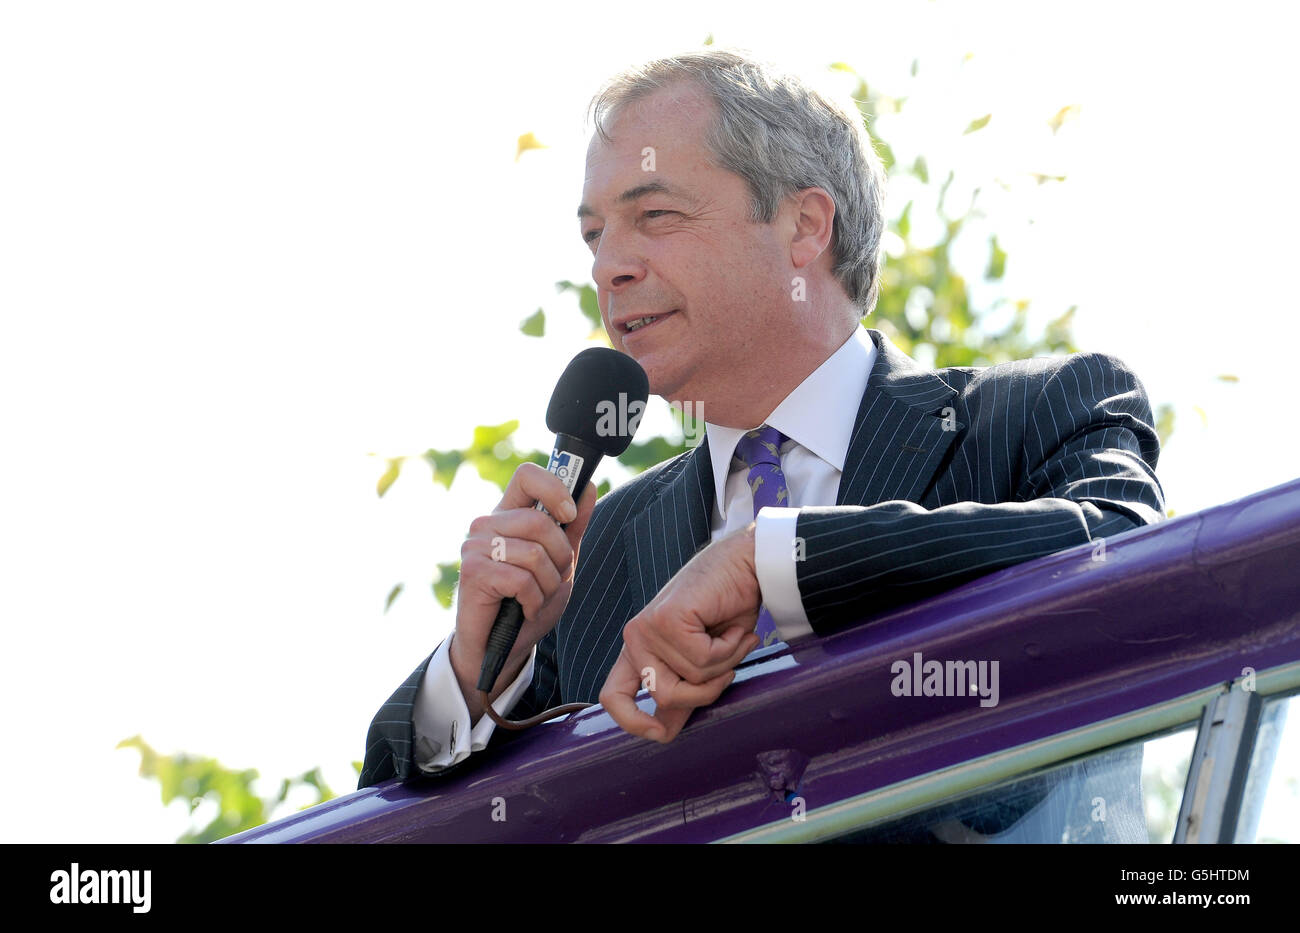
(1171, 609)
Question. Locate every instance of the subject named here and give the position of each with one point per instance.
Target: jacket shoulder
(1096, 370)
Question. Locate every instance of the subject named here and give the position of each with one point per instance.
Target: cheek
(756, 256)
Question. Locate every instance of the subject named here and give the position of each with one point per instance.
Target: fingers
(733, 645)
(485, 582)
(687, 641)
(671, 722)
(521, 552)
(493, 534)
(531, 484)
(695, 657)
(618, 696)
(665, 683)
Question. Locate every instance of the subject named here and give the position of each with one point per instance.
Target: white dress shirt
(818, 418)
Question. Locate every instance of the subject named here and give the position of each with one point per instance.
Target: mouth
(637, 325)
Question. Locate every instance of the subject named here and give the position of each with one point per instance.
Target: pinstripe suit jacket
(950, 474)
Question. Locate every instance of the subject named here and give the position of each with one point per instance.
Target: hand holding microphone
(517, 564)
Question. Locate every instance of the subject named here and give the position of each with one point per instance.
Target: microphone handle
(574, 461)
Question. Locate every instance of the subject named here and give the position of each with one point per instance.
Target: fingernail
(568, 511)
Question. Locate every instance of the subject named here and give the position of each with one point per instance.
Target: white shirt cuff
(443, 736)
(776, 551)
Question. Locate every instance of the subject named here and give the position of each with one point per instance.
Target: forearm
(855, 560)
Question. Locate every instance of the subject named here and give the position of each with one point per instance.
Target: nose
(616, 266)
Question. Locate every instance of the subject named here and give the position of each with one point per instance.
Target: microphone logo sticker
(566, 466)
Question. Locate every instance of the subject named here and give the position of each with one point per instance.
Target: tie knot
(762, 445)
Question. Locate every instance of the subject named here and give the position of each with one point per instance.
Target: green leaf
(943, 189)
(862, 98)
(1228, 377)
(487, 436)
(491, 452)
(978, 124)
(444, 587)
(887, 104)
(314, 778)
(534, 325)
(904, 223)
(445, 463)
(886, 153)
(193, 779)
(392, 595)
(921, 170)
(997, 260)
(390, 475)
(588, 301)
(1057, 333)
(915, 65)
(1164, 422)
(495, 457)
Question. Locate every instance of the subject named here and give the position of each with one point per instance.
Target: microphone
(595, 410)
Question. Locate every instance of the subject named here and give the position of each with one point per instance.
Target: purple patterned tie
(760, 450)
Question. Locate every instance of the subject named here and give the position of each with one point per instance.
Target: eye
(656, 213)
(590, 235)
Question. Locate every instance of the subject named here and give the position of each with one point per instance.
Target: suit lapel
(900, 434)
(677, 523)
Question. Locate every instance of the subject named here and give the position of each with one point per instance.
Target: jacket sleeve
(1086, 470)
(391, 737)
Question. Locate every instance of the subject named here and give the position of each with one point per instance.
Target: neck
(745, 399)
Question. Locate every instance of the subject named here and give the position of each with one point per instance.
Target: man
(735, 221)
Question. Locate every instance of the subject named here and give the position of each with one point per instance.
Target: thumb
(723, 645)
(575, 529)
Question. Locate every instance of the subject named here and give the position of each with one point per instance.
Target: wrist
(749, 536)
(468, 671)
(466, 678)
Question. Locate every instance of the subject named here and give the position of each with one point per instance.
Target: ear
(813, 214)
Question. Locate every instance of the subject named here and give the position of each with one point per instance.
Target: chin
(664, 390)
(663, 382)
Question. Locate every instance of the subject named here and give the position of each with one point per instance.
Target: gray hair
(780, 135)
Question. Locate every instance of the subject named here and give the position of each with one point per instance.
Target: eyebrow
(631, 194)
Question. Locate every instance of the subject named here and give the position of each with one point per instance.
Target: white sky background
(245, 245)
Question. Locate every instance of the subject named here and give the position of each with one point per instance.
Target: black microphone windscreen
(599, 398)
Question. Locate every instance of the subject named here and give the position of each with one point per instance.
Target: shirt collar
(819, 414)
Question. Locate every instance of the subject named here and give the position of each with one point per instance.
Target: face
(672, 239)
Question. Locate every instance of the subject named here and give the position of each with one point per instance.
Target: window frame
(1223, 715)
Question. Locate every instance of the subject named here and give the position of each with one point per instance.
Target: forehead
(672, 121)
